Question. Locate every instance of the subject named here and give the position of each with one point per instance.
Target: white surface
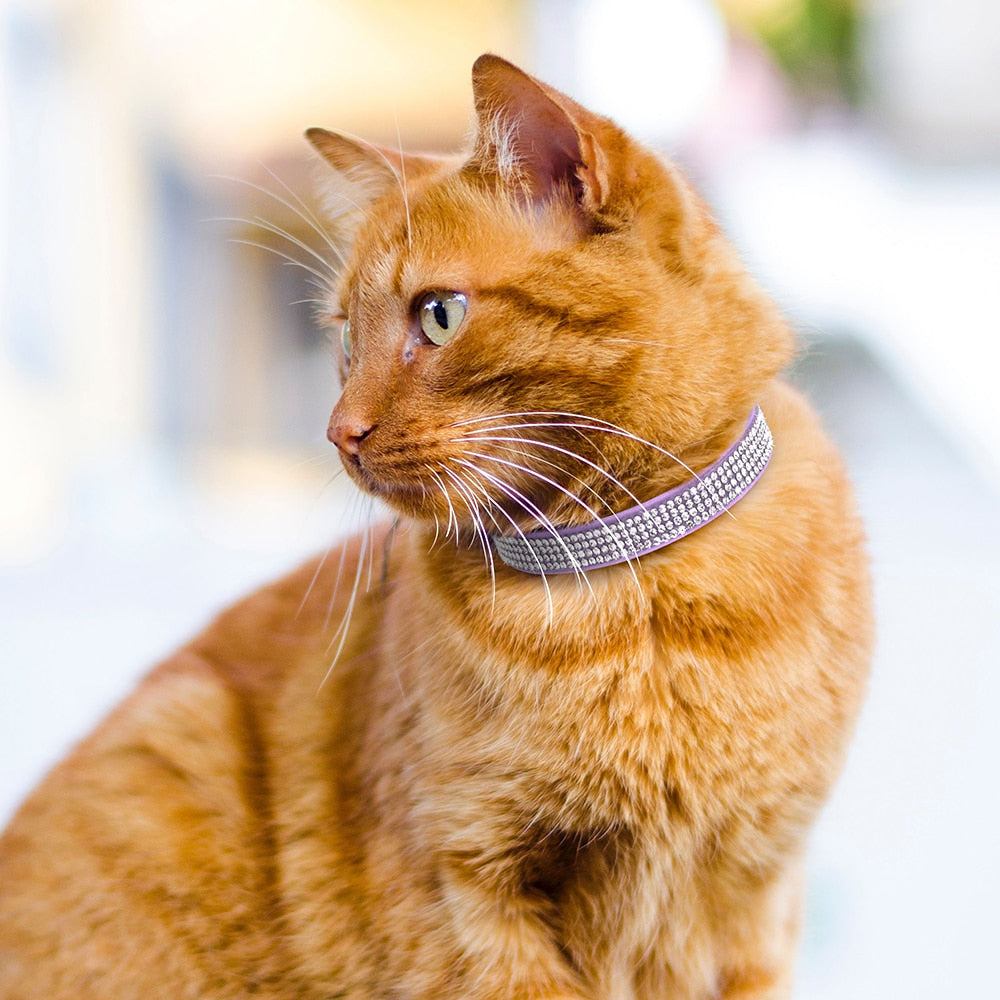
(147, 561)
(851, 238)
(905, 868)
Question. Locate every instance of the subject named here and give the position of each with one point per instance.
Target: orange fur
(505, 787)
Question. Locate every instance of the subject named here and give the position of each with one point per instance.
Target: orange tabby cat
(509, 785)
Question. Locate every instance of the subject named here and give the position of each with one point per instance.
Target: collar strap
(647, 527)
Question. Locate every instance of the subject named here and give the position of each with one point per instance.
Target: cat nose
(347, 435)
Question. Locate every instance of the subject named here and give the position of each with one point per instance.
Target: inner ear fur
(544, 145)
(363, 172)
(536, 139)
(378, 169)
(356, 160)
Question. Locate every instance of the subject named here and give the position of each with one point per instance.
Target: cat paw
(756, 984)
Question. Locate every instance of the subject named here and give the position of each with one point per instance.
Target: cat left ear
(534, 138)
(362, 165)
(363, 173)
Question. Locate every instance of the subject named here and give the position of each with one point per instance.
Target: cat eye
(345, 339)
(441, 314)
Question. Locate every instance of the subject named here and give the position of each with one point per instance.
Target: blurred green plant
(814, 42)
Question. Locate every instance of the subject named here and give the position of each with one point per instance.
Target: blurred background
(164, 392)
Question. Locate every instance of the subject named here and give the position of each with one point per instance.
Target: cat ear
(535, 138)
(363, 172)
(361, 164)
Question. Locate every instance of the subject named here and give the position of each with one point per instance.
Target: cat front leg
(505, 935)
(758, 984)
(760, 932)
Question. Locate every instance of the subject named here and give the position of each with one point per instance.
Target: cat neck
(630, 534)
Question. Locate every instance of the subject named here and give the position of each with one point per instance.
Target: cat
(562, 728)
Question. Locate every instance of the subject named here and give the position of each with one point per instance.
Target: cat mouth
(395, 492)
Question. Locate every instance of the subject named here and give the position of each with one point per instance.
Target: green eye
(441, 314)
(345, 339)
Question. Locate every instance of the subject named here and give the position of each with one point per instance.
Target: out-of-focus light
(653, 66)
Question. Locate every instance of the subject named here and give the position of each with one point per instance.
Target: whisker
(470, 501)
(437, 531)
(452, 517)
(275, 230)
(517, 529)
(402, 171)
(356, 498)
(336, 586)
(390, 537)
(305, 213)
(536, 512)
(321, 303)
(392, 168)
(312, 582)
(477, 487)
(563, 451)
(326, 553)
(462, 494)
(568, 493)
(552, 465)
(479, 527)
(371, 544)
(591, 423)
(354, 502)
(288, 258)
(611, 429)
(537, 475)
(344, 627)
(541, 569)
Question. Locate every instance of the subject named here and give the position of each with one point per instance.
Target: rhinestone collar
(650, 526)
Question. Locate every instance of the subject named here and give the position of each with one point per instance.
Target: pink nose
(347, 435)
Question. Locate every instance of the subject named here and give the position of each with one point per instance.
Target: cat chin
(414, 500)
(409, 500)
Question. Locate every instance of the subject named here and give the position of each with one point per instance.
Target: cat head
(530, 329)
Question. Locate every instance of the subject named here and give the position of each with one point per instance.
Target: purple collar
(647, 527)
